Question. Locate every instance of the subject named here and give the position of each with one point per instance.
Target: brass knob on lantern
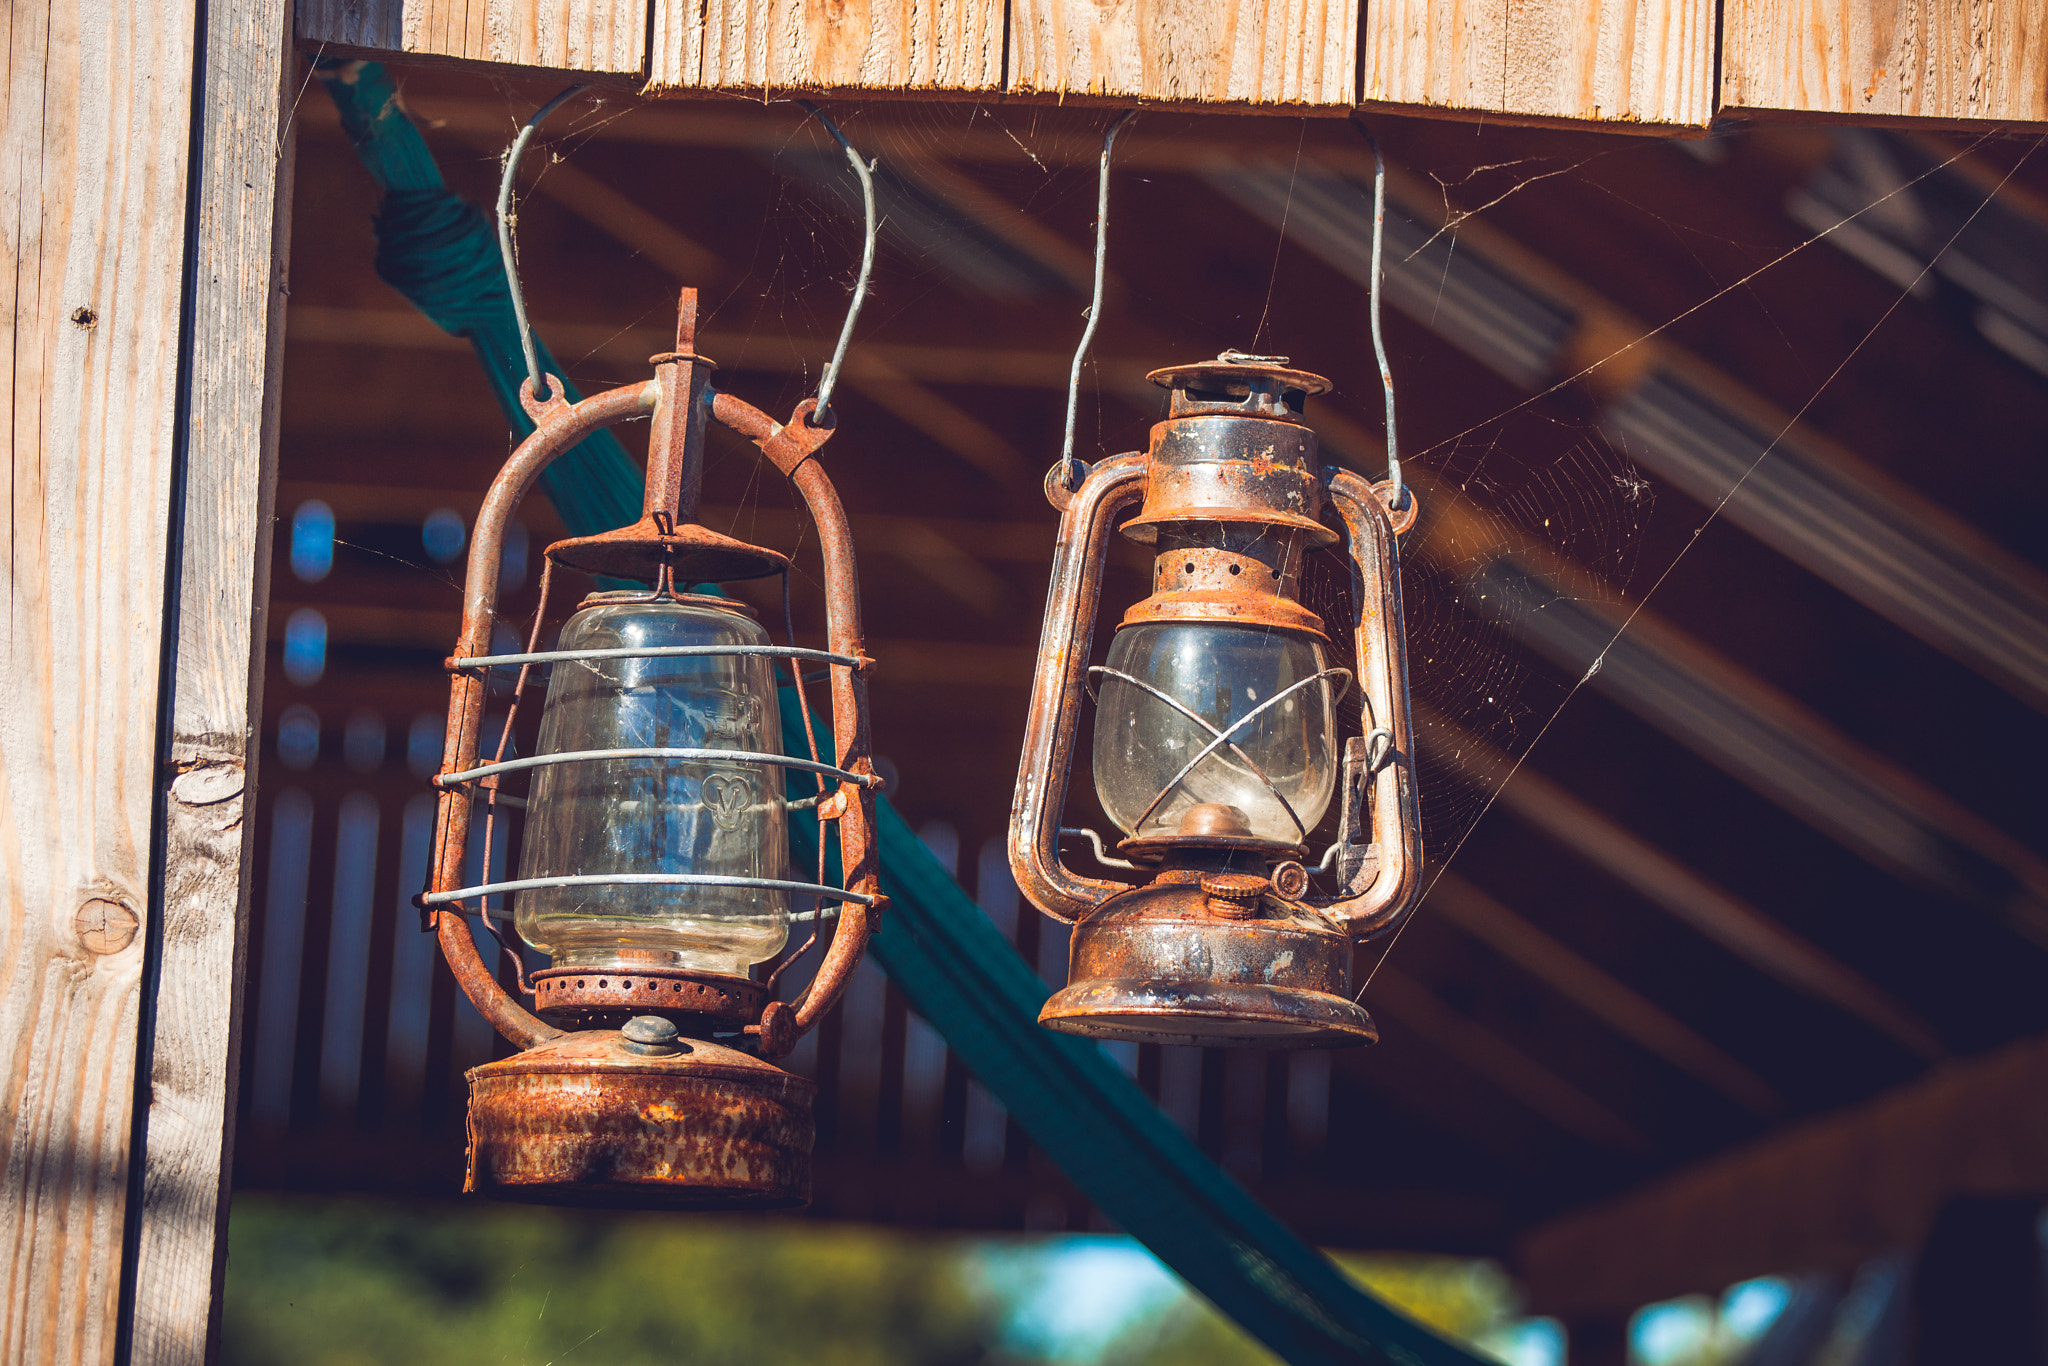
(1234, 896)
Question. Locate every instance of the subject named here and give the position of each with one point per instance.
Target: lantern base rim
(585, 1119)
(1208, 1014)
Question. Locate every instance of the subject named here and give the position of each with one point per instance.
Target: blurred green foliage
(357, 1283)
(1464, 1299)
(339, 1282)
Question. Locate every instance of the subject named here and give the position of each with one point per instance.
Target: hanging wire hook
(1116, 126)
(1399, 499)
(505, 247)
(864, 170)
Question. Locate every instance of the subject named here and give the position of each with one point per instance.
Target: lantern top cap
(1234, 374)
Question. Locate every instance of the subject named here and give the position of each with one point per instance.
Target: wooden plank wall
(1231, 52)
(1960, 60)
(762, 46)
(1628, 65)
(98, 108)
(597, 37)
(1623, 62)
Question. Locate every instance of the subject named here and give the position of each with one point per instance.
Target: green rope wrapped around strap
(955, 968)
(441, 252)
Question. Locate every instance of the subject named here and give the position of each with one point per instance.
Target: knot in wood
(105, 926)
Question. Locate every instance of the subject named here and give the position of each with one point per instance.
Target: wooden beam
(1621, 65)
(1732, 718)
(784, 45)
(1018, 542)
(760, 352)
(1500, 1063)
(597, 38)
(616, 215)
(221, 562)
(1735, 925)
(1965, 61)
(1621, 1007)
(94, 136)
(898, 661)
(1825, 1195)
(1294, 55)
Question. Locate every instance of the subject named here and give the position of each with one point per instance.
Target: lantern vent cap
(1241, 383)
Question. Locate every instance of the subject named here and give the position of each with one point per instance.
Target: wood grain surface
(1230, 52)
(762, 46)
(1608, 61)
(1950, 60)
(95, 129)
(227, 452)
(595, 36)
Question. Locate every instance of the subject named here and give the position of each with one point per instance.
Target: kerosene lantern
(654, 861)
(1216, 729)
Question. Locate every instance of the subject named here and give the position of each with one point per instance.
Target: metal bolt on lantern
(1216, 737)
(655, 855)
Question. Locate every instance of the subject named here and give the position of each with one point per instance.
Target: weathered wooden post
(144, 145)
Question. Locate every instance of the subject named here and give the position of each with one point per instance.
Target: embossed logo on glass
(728, 797)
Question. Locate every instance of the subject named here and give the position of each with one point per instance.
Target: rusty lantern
(1216, 744)
(654, 865)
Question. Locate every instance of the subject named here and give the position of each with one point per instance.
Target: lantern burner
(578, 998)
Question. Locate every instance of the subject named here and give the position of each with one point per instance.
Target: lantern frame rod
(736, 756)
(529, 884)
(657, 652)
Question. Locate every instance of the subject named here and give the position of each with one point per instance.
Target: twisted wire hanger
(864, 171)
(507, 248)
(1398, 492)
(1067, 463)
(506, 221)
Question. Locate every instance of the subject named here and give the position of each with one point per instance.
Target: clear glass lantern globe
(1194, 680)
(657, 815)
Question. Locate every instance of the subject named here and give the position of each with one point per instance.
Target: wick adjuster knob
(1234, 896)
(650, 1034)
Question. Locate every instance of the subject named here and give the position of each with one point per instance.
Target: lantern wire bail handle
(822, 414)
(1397, 500)
(506, 219)
(1066, 480)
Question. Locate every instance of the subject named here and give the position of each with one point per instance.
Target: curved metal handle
(1085, 526)
(559, 426)
(1387, 885)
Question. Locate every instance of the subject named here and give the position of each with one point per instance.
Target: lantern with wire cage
(654, 864)
(1216, 739)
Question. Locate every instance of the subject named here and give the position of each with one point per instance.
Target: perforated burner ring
(578, 998)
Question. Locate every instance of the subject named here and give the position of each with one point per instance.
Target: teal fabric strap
(934, 942)
(1090, 1118)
